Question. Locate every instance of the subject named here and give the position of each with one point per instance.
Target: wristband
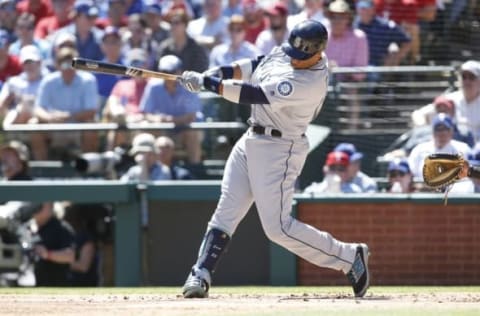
(212, 83)
(49, 255)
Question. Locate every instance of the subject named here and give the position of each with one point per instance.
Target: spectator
(422, 119)
(236, 48)
(18, 94)
(442, 142)
(158, 28)
(354, 173)
(400, 178)
(84, 267)
(38, 8)
(137, 36)
(55, 251)
(382, 35)
(112, 50)
(336, 176)
(88, 37)
(62, 17)
(406, 13)
(180, 44)
(313, 9)
(63, 39)
(233, 7)
(123, 104)
(147, 167)
(210, 29)
(168, 101)
(254, 19)
(14, 157)
(66, 96)
(166, 155)
(24, 32)
(8, 15)
(467, 100)
(116, 15)
(9, 64)
(347, 46)
(277, 33)
(474, 160)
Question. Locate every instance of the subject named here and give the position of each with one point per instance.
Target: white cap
(169, 63)
(143, 142)
(472, 66)
(29, 52)
(63, 38)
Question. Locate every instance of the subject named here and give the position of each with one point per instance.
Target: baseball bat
(117, 69)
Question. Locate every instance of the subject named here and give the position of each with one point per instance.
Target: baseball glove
(440, 170)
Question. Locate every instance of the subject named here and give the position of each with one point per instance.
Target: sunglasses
(339, 168)
(396, 173)
(468, 76)
(236, 29)
(276, 27)
(441, 129)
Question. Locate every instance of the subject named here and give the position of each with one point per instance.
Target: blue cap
(86, 7)
(399, 164)
(152, 6)
(474, 155)
(350, 150)
(4, 38)
(364, 4)
(443, 119)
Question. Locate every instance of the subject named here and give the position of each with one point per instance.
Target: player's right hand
(192, 81)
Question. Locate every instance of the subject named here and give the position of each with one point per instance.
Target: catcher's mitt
(440, 170)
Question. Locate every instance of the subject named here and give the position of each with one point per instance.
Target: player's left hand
(192, 81)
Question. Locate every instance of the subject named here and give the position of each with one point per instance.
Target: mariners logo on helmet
(306, 39)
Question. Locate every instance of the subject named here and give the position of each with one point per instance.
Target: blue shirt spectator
(381, 34)
(83, 26)
(79, 95)
(111, 48)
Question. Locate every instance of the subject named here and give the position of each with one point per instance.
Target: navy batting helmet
(306, 39)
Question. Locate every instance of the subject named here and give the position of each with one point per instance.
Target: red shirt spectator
(399, 11)
(255, 21)
(12, 68)
(39, 8)
(62, 17)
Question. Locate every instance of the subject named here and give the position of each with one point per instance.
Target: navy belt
(257, 129)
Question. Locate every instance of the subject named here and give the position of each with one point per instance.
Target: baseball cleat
(197, 284)
(359, 276)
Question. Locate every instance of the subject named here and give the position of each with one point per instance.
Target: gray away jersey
(295, 95)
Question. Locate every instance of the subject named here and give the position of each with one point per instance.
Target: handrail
(386, 69)
(114, 126)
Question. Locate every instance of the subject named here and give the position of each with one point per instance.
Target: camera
(108, 163)
(17, 240)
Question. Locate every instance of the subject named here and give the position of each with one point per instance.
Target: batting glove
(192, 81)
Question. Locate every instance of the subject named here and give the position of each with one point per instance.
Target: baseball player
(286, 90)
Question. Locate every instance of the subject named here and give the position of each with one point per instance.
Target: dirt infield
(433, 303)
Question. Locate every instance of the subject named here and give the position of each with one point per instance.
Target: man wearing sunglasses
(285, 90)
